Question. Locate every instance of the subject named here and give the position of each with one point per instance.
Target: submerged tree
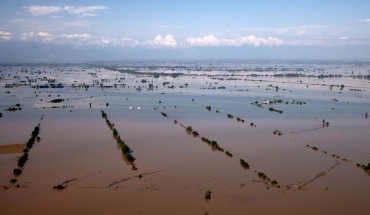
(275, 110)
(195, 133)
(228, 154)
(129, 157)
(189, 128)
(244, 164)
(207, 196)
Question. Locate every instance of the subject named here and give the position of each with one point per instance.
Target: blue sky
(187, 25)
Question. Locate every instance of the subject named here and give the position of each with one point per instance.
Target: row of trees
(126, 151)
(215, 147)
(24, 158)
(367, 168)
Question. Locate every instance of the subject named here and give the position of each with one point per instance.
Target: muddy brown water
(175, 169)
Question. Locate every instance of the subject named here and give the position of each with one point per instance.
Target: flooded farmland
(185, 137)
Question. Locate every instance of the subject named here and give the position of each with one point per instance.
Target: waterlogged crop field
(185, 138)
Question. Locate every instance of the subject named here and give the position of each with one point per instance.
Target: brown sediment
(136, 176)
(65, 184)
(150, 188)
(198, 186)
(320, 175)
(11, 149)
(303, 184)
(308, 130)
(70, 182)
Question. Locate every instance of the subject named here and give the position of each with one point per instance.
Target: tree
(189, 128)
(207, 196)
(129, 158)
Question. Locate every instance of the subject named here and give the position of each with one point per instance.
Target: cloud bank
(167, 41)
(211, 40)
(83, 11)
(5, 35)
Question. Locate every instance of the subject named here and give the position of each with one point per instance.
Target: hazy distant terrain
(36, 52)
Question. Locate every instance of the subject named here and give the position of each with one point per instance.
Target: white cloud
(252, 40)
(120, 42)
(56, 17)
(365, 20)
(5, 35)
(129, 42)
(78, 39)
(296, 30)
(77, 36)
(75, 24)
(83, 11)
(167, 41)
(43, 34)
(159, 41)
(42, 10)
(40, 36)
(89, 14)
(27, 35)
(211, 40)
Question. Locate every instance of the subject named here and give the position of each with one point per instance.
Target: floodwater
(313, 163)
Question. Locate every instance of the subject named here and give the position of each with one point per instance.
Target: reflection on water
(308, 161)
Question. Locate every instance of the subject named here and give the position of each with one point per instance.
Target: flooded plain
(185, 138)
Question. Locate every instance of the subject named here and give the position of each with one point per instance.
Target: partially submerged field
(197, 138)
